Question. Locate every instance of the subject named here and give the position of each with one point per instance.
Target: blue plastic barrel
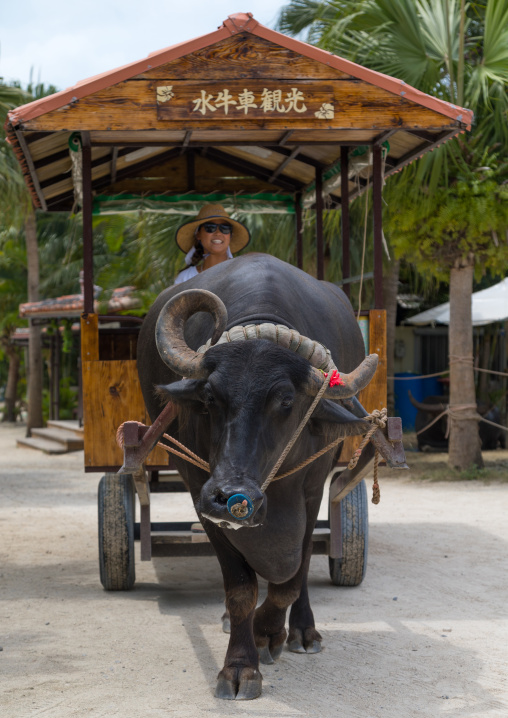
(419, 388)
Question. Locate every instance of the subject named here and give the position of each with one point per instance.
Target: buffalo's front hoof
(270, 647)
(308, 641)
(240, 684)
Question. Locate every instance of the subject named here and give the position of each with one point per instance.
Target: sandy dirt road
(425, 635)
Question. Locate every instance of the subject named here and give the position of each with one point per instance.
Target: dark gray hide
(240, 418)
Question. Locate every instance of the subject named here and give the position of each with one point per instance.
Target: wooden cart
(241, 114)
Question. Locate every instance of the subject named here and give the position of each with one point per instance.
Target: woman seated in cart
(213, 237)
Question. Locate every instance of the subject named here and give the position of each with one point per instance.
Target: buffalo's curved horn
(432, 408)
(350, 384)
(169, 330)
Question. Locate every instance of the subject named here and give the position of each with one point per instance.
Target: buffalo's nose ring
(240, 506)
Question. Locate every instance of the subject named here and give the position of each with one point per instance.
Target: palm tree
(16, 209)
(454, 201)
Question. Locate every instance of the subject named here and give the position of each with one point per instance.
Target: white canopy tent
(488, 306)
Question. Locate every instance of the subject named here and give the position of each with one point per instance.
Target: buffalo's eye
(208, 396)
(286, 402)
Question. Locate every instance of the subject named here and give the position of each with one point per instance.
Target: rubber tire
(116, 504)
(350, 569)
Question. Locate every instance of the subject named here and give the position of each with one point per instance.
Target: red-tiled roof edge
(238, 22)
(386, 82)
(73, 304)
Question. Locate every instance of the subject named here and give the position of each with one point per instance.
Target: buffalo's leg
(240, 678)
(269, 622)
(303, 636)
(270, 617)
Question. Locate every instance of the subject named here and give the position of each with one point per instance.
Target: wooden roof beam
(423, 135)
(284, 164)
(395, 165)
(383, 137)
(285, 137)
(125, 173)
(301, 157)
(186, 141)
(63, 154)
(421, 149)
(31, 168)
(254, 170)
(238, 142)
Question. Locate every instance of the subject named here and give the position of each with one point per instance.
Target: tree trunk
(11, 390)
(34, 378)
(464, 444)
(390, 291)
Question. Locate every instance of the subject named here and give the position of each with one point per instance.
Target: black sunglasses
(211, 227)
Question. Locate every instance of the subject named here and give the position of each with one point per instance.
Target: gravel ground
(425, 635)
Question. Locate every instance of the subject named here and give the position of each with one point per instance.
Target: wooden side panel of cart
(112, 395)
(374, 396)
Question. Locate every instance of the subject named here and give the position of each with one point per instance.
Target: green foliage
(452, 203)
(469, 216)
(68, 400)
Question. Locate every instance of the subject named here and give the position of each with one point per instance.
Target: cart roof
(243, 111)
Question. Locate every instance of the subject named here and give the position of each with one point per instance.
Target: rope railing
(445, 371)
(456, 412)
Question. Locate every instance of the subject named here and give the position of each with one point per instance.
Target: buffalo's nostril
(220, 498)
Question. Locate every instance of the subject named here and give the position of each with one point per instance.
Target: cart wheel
(350, 569)
(116, 532)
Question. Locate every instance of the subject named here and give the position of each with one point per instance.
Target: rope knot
(378, 419)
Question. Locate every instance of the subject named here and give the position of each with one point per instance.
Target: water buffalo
(239, 404)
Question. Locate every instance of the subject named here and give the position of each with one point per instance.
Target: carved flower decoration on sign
(165, 93)
(325, 112)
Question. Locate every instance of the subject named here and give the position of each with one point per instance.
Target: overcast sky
(65, 42)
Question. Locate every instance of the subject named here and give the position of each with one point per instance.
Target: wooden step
(67, 439)
(36, 442)
(196, 543)
(67, 425)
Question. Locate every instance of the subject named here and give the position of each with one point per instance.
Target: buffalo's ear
(185, 391)
(332, 413)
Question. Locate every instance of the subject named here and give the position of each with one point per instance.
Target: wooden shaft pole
(344, 201)
(299, 231)
(377, 186)
(87, 226)
(319, 224)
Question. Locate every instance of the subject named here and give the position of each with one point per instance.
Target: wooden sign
(245, 99)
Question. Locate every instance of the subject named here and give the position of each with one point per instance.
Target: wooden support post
(319, 225)
(191, 171)
(86, 156)
(377, 188)
(145, 533)
(344, 201)
(51, 373)
(56, 378)
(114, 160)
(89, 337)
(299, 230)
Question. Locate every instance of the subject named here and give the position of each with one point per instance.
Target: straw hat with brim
(185, 234)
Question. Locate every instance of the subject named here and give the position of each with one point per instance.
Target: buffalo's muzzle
(233, 505)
